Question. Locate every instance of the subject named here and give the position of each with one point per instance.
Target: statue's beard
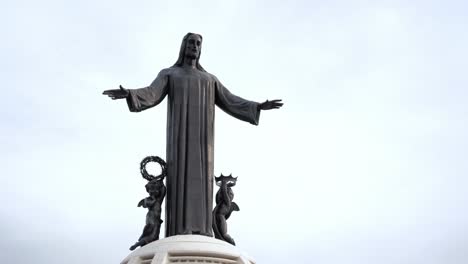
(191, 56)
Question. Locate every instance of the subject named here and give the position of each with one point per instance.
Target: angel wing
(234, 207)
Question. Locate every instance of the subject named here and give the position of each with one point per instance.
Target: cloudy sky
(365, 163)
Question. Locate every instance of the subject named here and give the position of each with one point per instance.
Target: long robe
(192, 95)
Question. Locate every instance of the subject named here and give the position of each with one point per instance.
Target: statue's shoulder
(167, 71)
(211, 76)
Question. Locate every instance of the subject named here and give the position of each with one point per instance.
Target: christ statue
(192, 95)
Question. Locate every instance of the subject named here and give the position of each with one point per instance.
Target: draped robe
(192, 95)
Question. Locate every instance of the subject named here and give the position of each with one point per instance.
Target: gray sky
(365, 163)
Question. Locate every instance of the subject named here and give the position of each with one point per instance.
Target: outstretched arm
(236, 106)
(241, 108)
(143, 98)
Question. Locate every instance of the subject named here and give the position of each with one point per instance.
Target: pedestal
(188, 249)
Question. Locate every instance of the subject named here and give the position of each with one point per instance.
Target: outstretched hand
(273, 104)
(117, 93)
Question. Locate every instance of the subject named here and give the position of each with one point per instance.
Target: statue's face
(193, 47)
(153, 188)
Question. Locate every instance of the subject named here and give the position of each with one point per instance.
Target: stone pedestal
(188, 249)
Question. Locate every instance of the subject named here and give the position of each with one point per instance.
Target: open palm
(117, 93)
(273, 104)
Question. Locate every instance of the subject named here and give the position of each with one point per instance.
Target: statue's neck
(190, 62)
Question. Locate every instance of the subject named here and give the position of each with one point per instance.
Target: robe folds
(192, 95)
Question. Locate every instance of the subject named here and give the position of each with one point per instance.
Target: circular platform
(188, 249)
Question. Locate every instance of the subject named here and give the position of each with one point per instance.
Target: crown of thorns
(158, 160)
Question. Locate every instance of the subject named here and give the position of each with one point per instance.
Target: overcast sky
(365, 163)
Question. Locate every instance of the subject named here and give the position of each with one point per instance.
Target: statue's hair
(180, 60)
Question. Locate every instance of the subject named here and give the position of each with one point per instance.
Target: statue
(192, 95)
(224, 207)
(156, 189)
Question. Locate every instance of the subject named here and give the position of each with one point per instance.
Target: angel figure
(157, 191)
(224, 207)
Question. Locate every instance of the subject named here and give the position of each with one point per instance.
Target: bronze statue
(157, 191)
(224, 207)
(192, 95)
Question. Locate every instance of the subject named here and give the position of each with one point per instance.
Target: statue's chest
(191, 87)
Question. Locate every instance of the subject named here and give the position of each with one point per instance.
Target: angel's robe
(192, 95)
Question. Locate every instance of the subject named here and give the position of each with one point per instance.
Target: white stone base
(188, 249)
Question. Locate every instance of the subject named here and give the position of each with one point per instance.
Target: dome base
(188, 249)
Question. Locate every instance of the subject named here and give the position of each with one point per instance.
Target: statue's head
(154, 187)
(219, 196)
(191, 48)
